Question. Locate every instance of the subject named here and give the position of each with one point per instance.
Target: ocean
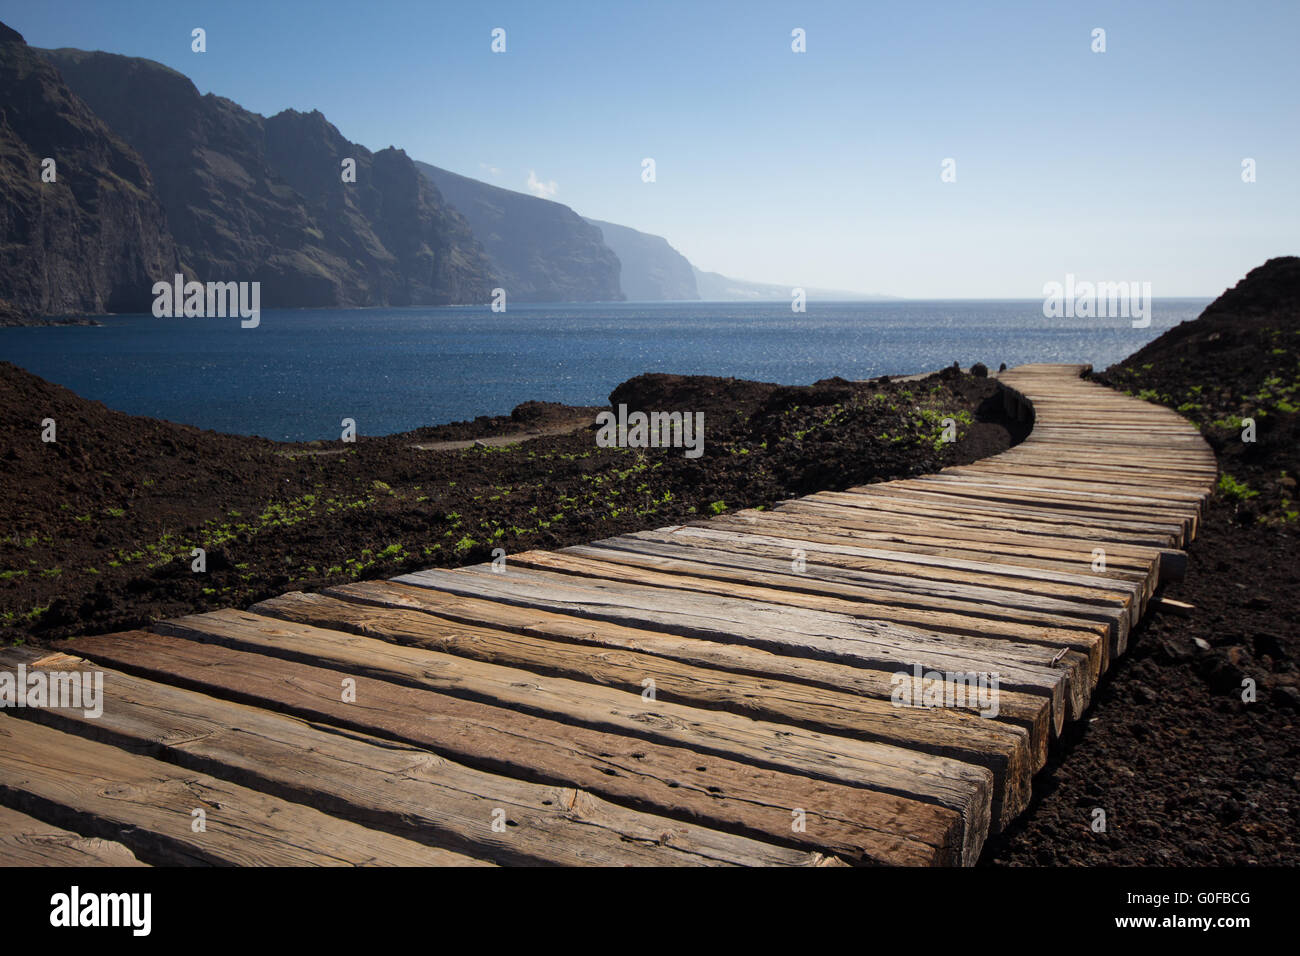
(301, 371)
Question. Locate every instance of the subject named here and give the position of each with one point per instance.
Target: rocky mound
(1238, 361)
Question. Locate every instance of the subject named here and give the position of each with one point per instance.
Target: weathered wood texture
(715, 792)
(724, 692)
(26, 841)
(149, 806)
(406, 790)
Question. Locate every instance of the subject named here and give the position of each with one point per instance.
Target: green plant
(1234, 490)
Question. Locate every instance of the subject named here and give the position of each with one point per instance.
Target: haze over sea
(300, 372)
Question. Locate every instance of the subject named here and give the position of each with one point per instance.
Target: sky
(822, 168)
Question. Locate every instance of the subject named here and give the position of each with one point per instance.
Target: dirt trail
(512, 438)
(488, 441)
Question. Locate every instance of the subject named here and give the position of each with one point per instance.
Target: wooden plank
(147, 805)
(1125, 499)
(824, 635)
(1077, 584)
(855, 825)
(1142, 425)
(990, 537)
(874, 514)
(1094, 603)
(1047, 528)
(1008, 598)
(972, 541)
(1023, 503)
(1126, 587)
(1078, 500)
(1103, 521)
(964, 532)
(1140, 437)
(1024, 710)
(822, 573)
(410, 792)
(1145, 451)
(1075, 504)
(749, 577)
(966, 788)
(1003, 748)
(942, 534)
(968, 536)
(26, 841)
(1082, 480)
(1047, 450)
(1080, 461)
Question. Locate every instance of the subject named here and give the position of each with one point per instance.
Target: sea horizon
(297, 375)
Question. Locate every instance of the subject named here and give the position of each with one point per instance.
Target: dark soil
(1188, 772)
(99, 525)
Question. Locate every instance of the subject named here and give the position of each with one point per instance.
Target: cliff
(95, 238)
(251, 198)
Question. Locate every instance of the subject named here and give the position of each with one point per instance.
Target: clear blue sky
(814, 169)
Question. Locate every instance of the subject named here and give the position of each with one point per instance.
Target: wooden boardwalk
(717, 693)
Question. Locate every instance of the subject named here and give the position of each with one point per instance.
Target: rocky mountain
(251, 198)
(95, 238)
(542, 251)
(155, 178)
(653, 271)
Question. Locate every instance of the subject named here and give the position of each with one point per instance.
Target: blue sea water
(300, 372)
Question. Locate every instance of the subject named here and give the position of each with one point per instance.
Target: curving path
(725, 692)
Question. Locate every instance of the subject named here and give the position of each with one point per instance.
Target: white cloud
(538, 188)
(490, 170)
